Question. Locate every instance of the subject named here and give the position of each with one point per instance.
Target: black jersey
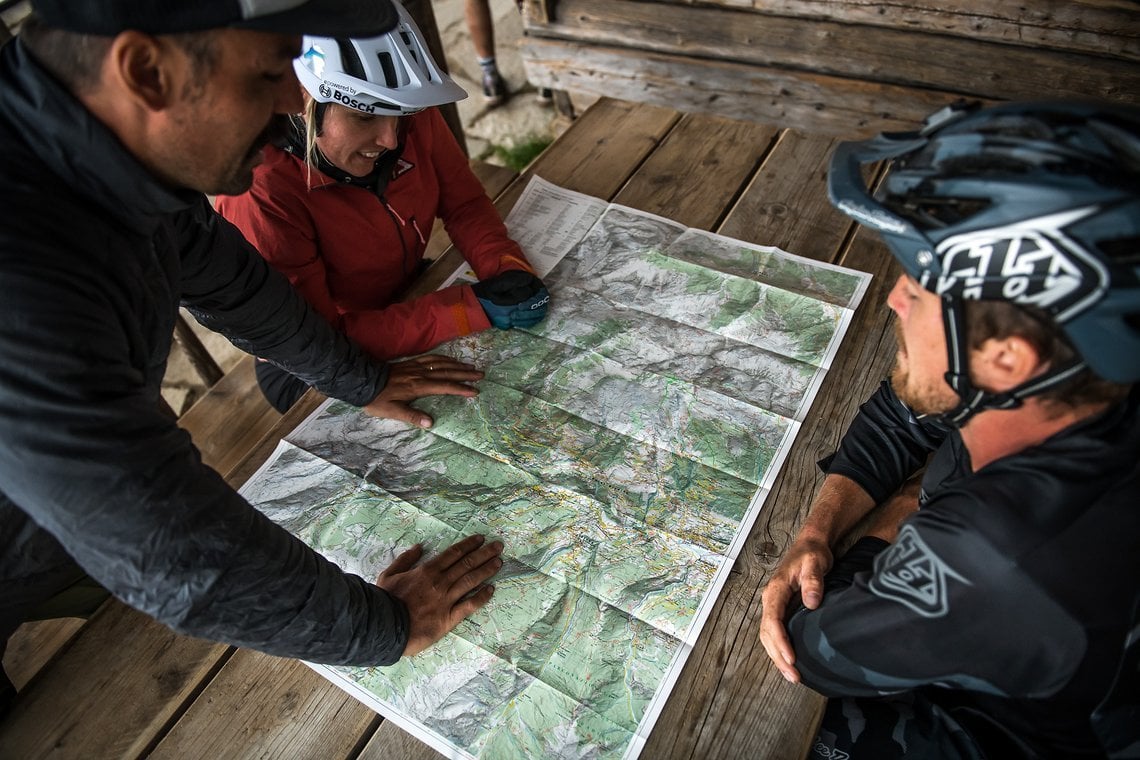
(1008, 597)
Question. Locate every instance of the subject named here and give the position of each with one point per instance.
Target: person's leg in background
(545, 95)
(481, 27)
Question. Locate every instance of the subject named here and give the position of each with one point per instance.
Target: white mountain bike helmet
(389, 75)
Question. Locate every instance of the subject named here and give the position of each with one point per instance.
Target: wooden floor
(124, 686)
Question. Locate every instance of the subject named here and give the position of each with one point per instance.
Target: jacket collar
(79, 149)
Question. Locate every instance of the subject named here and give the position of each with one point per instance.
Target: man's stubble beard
(920, 400)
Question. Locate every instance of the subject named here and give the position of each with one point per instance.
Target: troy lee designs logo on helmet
(1031, 263)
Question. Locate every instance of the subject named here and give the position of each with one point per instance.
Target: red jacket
(341, 248)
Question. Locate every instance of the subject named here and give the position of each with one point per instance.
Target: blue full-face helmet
(1035, 203)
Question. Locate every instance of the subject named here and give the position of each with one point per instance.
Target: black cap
(322, 18)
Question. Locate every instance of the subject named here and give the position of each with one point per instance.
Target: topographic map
(621, 450)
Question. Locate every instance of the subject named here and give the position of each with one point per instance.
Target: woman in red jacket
(344, 206)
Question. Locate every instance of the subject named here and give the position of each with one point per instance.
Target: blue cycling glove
(513, 299)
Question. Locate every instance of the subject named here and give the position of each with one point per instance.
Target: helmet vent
(994, 162)
(410, 46)
(935, 212)
(390, 79)
(350, 61)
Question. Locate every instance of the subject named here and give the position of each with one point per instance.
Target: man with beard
(117, 117)
(991, 608)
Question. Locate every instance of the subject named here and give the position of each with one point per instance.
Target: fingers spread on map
(441, 592)
(428, 375)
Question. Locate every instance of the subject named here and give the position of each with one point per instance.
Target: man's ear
(1005, 363)
(143, 68)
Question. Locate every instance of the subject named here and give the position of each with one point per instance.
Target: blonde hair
(309, 115)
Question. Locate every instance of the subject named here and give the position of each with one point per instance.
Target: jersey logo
(401, 168)
(911, 573)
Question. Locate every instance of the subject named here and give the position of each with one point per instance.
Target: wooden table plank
(786, 205)
(600, 151)
(263, 706)
(111, 692)
(391, 742)
(34, 644)
(698, 170)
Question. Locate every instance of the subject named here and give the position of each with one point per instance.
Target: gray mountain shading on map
(620, 450)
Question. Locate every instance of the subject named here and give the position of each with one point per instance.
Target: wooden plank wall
(833, 67)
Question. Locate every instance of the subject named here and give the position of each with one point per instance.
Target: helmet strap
(972, 399)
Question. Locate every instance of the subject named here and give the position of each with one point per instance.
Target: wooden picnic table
(125, 686)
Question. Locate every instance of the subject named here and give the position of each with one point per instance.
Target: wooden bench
(57, 664)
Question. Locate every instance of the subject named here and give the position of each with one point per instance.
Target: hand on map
(436, 592)
(801, 569)
(427, 375)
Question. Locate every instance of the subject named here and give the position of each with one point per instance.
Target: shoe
(494, 88)
(545, 96)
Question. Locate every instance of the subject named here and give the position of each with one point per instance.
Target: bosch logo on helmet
(354, 103)
(325, 90)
